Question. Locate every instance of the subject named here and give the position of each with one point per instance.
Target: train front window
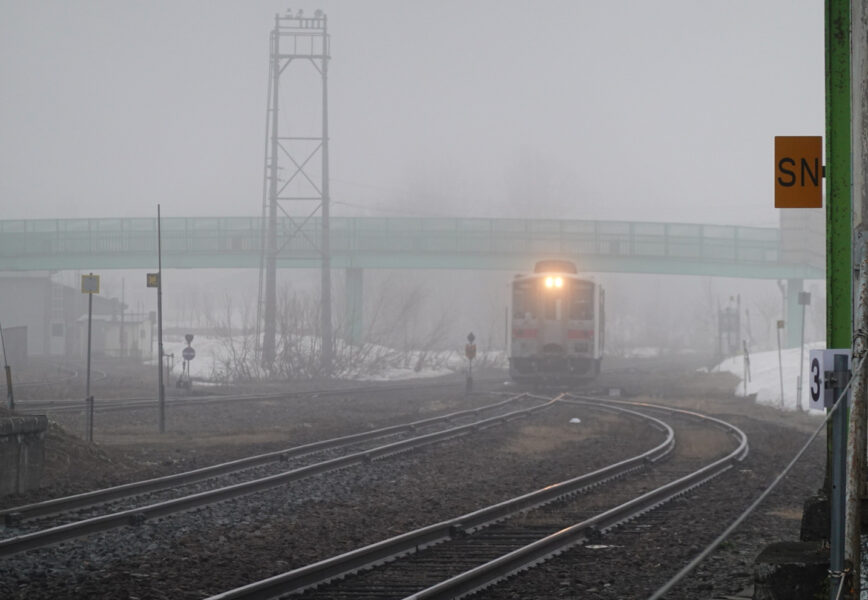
(581, 301)
(522, 304)
(552, 307)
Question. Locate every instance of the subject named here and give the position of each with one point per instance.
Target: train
(556, 325)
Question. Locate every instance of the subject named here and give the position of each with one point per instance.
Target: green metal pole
(839, 318)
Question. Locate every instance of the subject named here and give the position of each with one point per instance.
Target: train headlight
(554, 282)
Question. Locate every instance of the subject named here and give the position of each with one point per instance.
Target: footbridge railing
(364, 242)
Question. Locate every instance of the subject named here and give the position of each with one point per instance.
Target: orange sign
(798, 172)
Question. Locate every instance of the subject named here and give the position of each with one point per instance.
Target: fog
(659, 111)
(621, 110)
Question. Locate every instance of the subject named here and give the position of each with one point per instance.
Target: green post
(839, 231)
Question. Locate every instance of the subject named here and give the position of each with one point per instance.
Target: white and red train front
(556, 326)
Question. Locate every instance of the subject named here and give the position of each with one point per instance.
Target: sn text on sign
(798, 172)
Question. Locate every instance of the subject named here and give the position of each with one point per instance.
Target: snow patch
(764, 380)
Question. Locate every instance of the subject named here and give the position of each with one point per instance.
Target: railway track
(68, 376)
(462, 555)
(41, 524)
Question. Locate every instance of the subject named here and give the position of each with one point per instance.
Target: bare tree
(402, 332)
(237, 361)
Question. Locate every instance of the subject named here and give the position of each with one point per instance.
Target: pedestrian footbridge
(794, 252)
(414, 243)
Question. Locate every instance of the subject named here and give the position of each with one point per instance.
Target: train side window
(582, 301)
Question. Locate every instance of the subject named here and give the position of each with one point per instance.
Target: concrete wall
(51, 312)
(15, 339)
(22, 452)
(24, 302)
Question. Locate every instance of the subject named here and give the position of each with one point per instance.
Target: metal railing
(384, 242)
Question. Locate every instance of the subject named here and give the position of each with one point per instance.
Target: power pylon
(291, 202)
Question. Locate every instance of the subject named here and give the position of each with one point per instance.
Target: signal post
(470, 353)
(89, 286)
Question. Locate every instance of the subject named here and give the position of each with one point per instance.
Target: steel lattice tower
(294, 39)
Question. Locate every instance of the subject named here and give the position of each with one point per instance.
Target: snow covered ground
(765, 376)
(764, 380)
(210, 352)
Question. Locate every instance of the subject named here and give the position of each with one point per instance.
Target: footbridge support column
(354, 305)
(794, 313)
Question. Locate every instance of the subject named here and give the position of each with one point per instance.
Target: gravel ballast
(202, 552)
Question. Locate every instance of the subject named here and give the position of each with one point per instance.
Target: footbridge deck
(403, 243)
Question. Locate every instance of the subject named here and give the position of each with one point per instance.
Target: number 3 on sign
(816, 382)
(823, 361)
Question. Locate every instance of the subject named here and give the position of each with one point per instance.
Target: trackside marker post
(804, 300)
(470, 353)
(188, 354)
(780, 361)
(89, 286)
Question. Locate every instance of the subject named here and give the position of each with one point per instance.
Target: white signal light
(550, 282)
(559, 282)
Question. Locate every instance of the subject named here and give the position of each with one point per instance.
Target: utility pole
(856, 442)
(855, 463)
(325, 247)
(10, 397)
(160, 353)
(270, 249)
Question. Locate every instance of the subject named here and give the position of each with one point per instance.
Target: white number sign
(821, 362)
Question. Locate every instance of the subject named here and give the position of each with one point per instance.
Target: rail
(497, 570)
(138, 515)
(380, 552)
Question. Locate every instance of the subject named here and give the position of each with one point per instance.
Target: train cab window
(522, 303)
(581, 300)
(553, 307)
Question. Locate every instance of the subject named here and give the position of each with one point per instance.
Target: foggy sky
(627, 110)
